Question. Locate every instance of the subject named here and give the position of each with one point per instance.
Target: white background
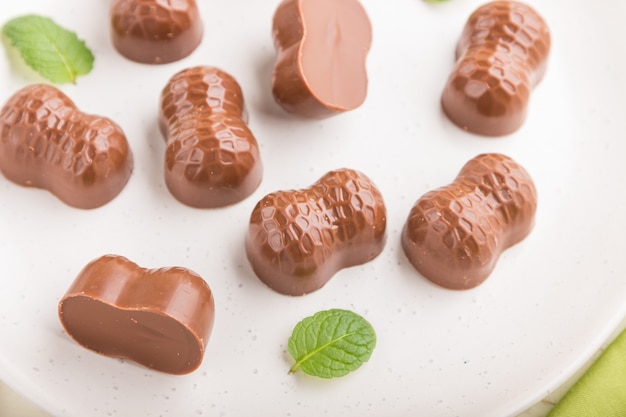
(488, 352)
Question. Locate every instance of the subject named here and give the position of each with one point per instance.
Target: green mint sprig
(331, 343)
(51, 50)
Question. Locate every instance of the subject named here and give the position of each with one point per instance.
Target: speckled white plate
(488, 352)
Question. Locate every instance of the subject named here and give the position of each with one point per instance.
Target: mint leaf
(331, 343)
(54, 52)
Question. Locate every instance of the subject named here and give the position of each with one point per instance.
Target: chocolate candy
(454, 235)
(212, 158)
(501, 55)
(155, 31)
(159, 318)
(46, 142)
(322, 48)
(297, 240)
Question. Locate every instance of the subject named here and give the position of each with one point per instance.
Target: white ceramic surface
(488, 352)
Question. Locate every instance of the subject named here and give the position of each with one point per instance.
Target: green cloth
(601, 391)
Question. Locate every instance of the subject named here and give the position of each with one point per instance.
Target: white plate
(488, 352)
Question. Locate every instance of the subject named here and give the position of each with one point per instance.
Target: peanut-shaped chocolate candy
(322, 48)
(454, 235)
(160, 318)
(46, 142)
(501, 55)
(297, 240)
(212, 158)
(155, 31)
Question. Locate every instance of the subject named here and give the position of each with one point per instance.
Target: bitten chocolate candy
(322, 48)
(454, 235)
(212, 158)
(155, 31)
(159, 318)
(46, 142)
(297, 240)
(501, 55)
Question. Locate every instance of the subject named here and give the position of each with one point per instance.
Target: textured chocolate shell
(455, 234)
(298, 239)
(155, 31)
(212, 158)
(501, 55)
(46, 142)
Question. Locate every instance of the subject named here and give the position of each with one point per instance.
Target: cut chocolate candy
(159, 318)
(322, 48)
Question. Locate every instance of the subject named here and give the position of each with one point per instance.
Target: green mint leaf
(54, 52)
(331, 343)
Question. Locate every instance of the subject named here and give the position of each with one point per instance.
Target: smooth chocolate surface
(501, 55)
(46, 142)
(322, 49)
(160, 318)
(212, 158)
(155, 31)
(298, 239)
(455, 234)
